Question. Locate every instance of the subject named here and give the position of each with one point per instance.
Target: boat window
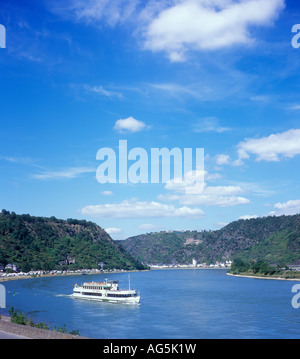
(94, 294)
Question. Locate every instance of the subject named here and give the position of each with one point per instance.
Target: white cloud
(107, 193)
(213, 199)
(222, 224)
(248, 216)
(237, 163)
(295, 107)
(285, 144)
(68, 173)
(96, 12)
(136, 209)
(177, 26)
(287, 208)
(19, 160)
(192, 183)
(188, 194)
(149, 227)
(193, 191)
(129, 124)
(223, 190)
(178, 91)
(100, 90)
(229, 82)
(113, 230)
(222, 159)
(258, 189)
(260, 98)
(208, 24)
(209, 124)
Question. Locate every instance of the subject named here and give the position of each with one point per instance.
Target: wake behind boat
(107, 291)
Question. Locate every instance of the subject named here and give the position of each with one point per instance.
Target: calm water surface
(174, 304)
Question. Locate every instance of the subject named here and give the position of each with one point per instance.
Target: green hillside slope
(273, 239)
(34, 243)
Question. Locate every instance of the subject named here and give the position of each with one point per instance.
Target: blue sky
(77, 76)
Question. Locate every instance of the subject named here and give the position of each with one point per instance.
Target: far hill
(275, 240)
(35, 243)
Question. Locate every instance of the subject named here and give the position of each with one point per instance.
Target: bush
(63, 329)
(239, 266)
(256, 267)
(17, 317)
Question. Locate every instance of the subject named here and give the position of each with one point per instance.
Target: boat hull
(130, 300)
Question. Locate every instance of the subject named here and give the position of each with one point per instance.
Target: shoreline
(9, 330)
(20, 277)
(171, 268)
(16, 277)
(260, 277)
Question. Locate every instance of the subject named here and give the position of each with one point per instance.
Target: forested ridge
(273, 239)
(39, 243)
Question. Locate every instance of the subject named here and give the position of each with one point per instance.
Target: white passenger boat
(107, 291)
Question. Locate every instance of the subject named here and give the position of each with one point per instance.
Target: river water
(186, 304)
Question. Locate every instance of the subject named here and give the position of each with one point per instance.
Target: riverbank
(11, 330)
(18, 277)
(189, 267)
(263, 277)
(15, 276)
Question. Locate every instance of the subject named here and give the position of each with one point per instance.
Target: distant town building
(295, 268)
(12, 267)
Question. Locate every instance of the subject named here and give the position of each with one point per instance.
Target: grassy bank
(28, 330)
(294, 276)
(261, 269)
